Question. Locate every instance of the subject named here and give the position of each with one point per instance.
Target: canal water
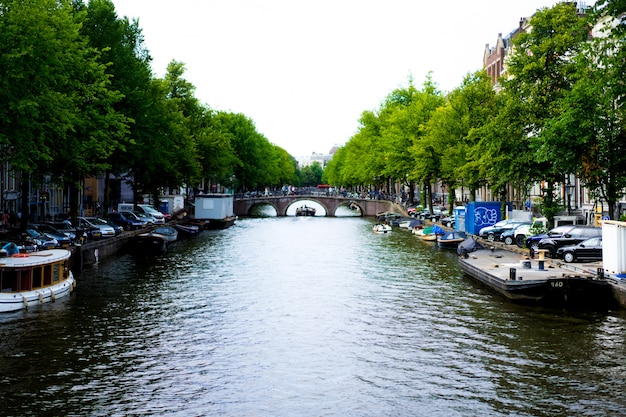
(304, 317)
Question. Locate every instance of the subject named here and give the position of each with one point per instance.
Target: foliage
(542, 70)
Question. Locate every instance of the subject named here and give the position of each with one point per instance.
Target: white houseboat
(28, 279)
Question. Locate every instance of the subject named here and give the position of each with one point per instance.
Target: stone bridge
(243, 206)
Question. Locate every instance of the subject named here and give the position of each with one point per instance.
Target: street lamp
(568, 193)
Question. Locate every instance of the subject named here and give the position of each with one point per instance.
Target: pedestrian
(11, 249)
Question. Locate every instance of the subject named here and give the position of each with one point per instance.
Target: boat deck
(499, 264)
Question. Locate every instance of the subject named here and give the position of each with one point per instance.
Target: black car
(570, 235)
(532, 242)
(587, 250)
(492, 233)
(127, 219)
(63, 239)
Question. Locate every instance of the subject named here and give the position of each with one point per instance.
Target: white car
(105, 228)
(151, 211)
(493, 232)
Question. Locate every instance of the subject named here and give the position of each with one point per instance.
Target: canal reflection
(299, 317)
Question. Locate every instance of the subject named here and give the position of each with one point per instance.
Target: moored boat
(451, 240)
(146, 244)
(28, 279)
(536, 281)
(187, 230)
(169, 232)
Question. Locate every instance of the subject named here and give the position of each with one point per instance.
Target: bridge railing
(250, 196)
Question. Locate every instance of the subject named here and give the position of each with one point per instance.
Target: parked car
(63, 240)
(40, 240)
(508, 235)
(492, 233)
(448, 221)
(587, 250)
(143, 208)
(126, 219)
(65, 227)
(147, 219)
(118, 229)
(561, 236)
(91, 223)
(437, 213)
(538, 225)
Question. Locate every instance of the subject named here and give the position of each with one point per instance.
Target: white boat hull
(21, 300)
(28, 280)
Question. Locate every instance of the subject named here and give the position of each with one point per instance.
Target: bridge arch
(368, 207)
(301, 199)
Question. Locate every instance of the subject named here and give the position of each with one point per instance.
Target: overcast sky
(304, 71)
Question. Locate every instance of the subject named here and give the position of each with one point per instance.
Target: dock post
(512, 274)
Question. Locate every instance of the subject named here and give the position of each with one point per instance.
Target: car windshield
(129, 215)
(98, 221)
(34, 233)
(560, 230)
(594, 241)
(149, 209)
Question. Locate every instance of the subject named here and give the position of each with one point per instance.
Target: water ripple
(301, 317)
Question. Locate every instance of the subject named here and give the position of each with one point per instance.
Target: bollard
(512, 273)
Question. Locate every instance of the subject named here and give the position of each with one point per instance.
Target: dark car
(63, 239)
(532, 242)
(508, 235)
(39, 239)
(587, 250)
(566, 235)
(448, 221)
(118, 229)
(65, 227)
(127, 219)
(492, 233)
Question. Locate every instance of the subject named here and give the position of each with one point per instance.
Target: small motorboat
(147, 244)
(382, 228)
(187, 230)
(169, 232)
(430, 234)
(305, 211)
(451, 240)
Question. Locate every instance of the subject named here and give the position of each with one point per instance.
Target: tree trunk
(24, 200)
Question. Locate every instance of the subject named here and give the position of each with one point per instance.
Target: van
(144, 208)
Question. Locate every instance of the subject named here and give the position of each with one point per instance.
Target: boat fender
(21, 255)
(25, 301)
(53, 297)
(40, 297)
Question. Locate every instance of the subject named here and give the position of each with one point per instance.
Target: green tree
(311, 175)
(425, 150)
(57, 116)
(455, 130)
(591, 120)
(128, 62)
(541, 72)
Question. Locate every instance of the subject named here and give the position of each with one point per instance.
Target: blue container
(482, 214)
(459, 218)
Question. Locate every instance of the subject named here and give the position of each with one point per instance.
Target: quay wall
(90, 253)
